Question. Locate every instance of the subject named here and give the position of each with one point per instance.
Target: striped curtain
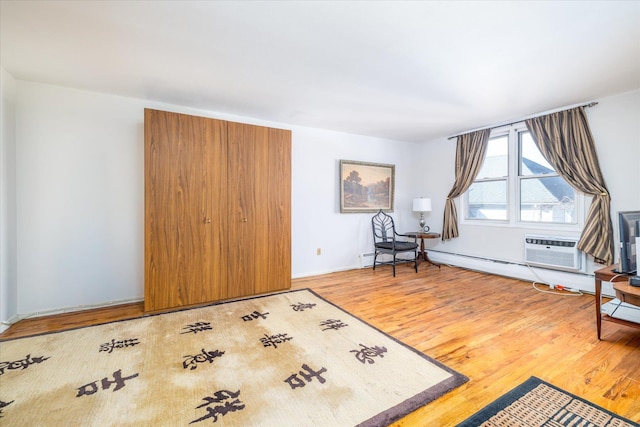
(470, 153)
(565, 141)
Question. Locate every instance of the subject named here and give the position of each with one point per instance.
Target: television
(629, 224)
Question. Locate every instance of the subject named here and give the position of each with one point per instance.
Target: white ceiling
(412, 71)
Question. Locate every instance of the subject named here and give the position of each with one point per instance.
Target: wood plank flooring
(497, 331)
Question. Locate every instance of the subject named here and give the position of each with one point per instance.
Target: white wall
(80, 198)
(80, 194)
(615, 125)
(316, 218)
(8, 280)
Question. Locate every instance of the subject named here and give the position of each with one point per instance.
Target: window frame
(514, 180)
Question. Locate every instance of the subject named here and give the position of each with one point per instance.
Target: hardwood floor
(497, 331)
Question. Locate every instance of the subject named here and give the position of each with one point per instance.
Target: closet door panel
(244, 217)
(275, 195)
(185, 178)
(260, 208)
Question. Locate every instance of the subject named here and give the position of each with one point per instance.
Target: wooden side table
(424, 235)
(627, 293)
(624, 292)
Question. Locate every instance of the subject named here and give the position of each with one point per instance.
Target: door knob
(245, 220)
(207, 220)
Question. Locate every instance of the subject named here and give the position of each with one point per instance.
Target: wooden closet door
(185, 210)
(259, 209)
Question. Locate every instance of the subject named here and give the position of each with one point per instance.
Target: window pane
(487, 200)
(496, 161)
(531, 160)
(547, 200)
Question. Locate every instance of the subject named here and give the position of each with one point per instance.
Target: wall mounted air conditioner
(553, 252)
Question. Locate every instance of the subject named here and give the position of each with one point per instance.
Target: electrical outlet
(319, 251)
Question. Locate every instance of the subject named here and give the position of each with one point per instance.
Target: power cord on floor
(561, 290)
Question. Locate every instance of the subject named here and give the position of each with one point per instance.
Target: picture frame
(366, 187)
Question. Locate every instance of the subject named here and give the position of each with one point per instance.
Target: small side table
(424, 235)
(624, 292)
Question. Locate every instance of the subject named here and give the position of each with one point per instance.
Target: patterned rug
(289, 359)
(536, 403)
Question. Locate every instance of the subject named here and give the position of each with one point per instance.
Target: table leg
(423, 254)
(426, 258)
(598, 301)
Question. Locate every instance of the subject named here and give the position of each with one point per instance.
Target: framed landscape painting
(366, 187)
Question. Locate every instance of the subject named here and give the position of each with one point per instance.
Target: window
(517, 185)
(488, 195)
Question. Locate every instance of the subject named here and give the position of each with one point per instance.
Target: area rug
(536, 403)
(289, 359)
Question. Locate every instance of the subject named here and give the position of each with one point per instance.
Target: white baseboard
(321, 272)
(581, 281)
(22, 316)
(4, 325)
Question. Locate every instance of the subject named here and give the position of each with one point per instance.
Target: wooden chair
(385, 240)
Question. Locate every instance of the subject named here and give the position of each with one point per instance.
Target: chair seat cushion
(400, 246)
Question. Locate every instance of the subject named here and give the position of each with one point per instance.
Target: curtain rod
(588, 105)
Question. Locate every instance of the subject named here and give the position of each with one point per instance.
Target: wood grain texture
(245, 215)
(217, 210)
(185, 178)
(259, 209)
(276, 271)
(495, 330)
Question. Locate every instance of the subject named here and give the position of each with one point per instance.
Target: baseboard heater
(553, 252)
(366, 260)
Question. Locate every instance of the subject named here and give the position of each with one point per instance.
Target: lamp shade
(422, 205)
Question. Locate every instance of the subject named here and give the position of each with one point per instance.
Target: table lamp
(422, 205)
